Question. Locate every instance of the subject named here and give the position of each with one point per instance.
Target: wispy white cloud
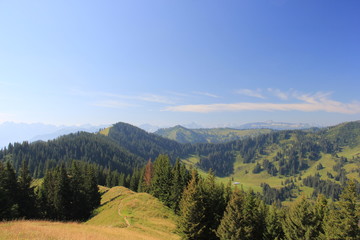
(113, 104)
(279, 94)
(141, 97)
(153, 98)
(251, 93)
(305, 103)
(206, 94)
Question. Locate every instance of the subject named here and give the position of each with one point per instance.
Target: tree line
(65, 194)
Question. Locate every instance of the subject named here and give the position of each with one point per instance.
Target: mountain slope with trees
(208, 135)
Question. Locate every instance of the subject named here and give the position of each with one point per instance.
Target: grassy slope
(243, 172)
(211, 135)
(147, 217)
(105, 131)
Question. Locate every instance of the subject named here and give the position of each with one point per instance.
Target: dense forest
(65, 194)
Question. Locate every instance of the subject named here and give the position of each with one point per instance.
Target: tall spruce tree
(62, 194)
(254, 218)
(274, 230)
(162, 180)
(91, 189)
(232, 225)
(343, 218)
(27, 199)
(212, 197)
(11, 189)
(301, 222)
(189, 225)
(179, 182)
(320, 211)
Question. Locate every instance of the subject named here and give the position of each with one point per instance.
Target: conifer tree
(212, 197)
(191, 211)
(77, 201)
(135, 179)
(254, 217)
(92, 194)
(320, 211)
(274, 229)
(179, 183)
(301, 222)
(162, 180)
(10, 188)
(27, 200)
(62, 195)
(343, 218)
(8, 192)
(232, 225)
(147, 176)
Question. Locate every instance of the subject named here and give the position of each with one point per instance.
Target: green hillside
(294, 163)
(123, 214)
(208, 135)
(139, 212)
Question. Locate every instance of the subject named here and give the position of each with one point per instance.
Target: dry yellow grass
(146, 218)
(32, 230)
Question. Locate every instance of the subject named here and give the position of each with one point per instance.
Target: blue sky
(175, 62)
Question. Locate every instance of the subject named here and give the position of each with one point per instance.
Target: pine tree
(254, 217)
(342, 220)
(274, 229)
(27, 199)
(78, 208)
(162, 180)
(62, 195)
(212, 196)
(232, 225)
(134, 180)
(92, 194)
(5, 201)
(179, 183)
(191, 211)
(301, 222)
(10, 191)
(320, 211)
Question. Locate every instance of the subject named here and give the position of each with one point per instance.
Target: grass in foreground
(66, 231)
(123, 214)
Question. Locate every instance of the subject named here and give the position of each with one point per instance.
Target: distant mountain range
(276, 125)
(11, 132)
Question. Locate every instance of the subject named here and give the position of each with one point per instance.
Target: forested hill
(87, 147)
(141, 143)
(208, 135)
(276, 158)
